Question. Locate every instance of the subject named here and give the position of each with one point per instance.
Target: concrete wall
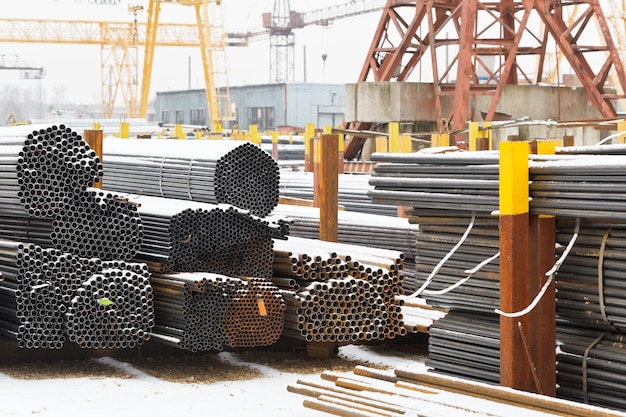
(401, 102)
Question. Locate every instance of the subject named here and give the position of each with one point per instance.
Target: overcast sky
(75, 70)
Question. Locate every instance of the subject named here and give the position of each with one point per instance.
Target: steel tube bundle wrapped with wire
(47, 296)
(339, 292)
(42, 168)
(236, 173)
(194, 237)
(201, 311)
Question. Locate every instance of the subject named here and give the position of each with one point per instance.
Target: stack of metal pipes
(586, 186)
(47, 295)
(464, 181)
(42, 168)
(591, 312)
(372, 230)
(466, 344)
(201, 237)
(339, 293)
(200, 311)
(439, 267)
(353, 191)
(236, 173)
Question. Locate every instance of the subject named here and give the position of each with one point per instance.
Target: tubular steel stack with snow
(47, 295)
(217, 172)
(339, 292)
(202, 237)
(201, 311)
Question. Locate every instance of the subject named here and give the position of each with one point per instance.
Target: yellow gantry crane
(119, 42)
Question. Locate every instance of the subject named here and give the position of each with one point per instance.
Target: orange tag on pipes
(261, 304)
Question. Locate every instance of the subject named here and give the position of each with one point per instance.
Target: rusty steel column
(328, 186)
(93, 138)
(543, 317)
(515, 371)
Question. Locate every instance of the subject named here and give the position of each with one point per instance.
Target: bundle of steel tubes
(112, 308)
(586, 186)
(591, 366)
(201, 311)
(363, 229)
(47, 295)
(466, 344)
(237, 173)
(467, 181)
(339, 292)
(353, 191)
(442, 263)
(42, 168)
(195, 237)
(94, 223)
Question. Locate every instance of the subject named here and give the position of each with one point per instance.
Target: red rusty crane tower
(481, 46)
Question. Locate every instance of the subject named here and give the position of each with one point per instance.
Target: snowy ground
(267, 396)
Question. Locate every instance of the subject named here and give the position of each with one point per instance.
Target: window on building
(197, 117)
(165, 116)
(263, 117)
(180, 117)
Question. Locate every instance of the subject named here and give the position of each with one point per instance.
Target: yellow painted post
(124, 130)
(439, 139)
(328, 130)
(275, 146)
(405, 144)
(96, 125)
(381, 144)
(255, 137)
(480, 136)
(621, 127)
(309, 133)
(515, 371)
(179, 132)
(218, 128)
(340, 147)
(394, 133)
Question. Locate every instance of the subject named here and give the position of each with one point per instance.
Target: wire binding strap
(605, 239)
(443, 261)
(584, 365)
(161, 177)
(189, 180)
(551, 273)
(460, 282)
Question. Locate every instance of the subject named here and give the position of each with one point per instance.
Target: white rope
(442, 261)
(551, 273)
(471, 273)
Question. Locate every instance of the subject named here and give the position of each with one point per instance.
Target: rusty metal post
(93, 138)
(542, 334)
(328, 187)
(515, 371)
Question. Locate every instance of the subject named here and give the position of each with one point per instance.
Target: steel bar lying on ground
(236, 173)
(353, 191)
(47, 296)
(362, 229)
(201, 237)
(345, 293)
(202, 311)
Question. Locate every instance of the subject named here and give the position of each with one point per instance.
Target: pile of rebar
(201, 311)
(236, 173)
(339, 293)
(201, 237)
(467, 181)
(352, 195)
(362, 229)
(47, 296)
